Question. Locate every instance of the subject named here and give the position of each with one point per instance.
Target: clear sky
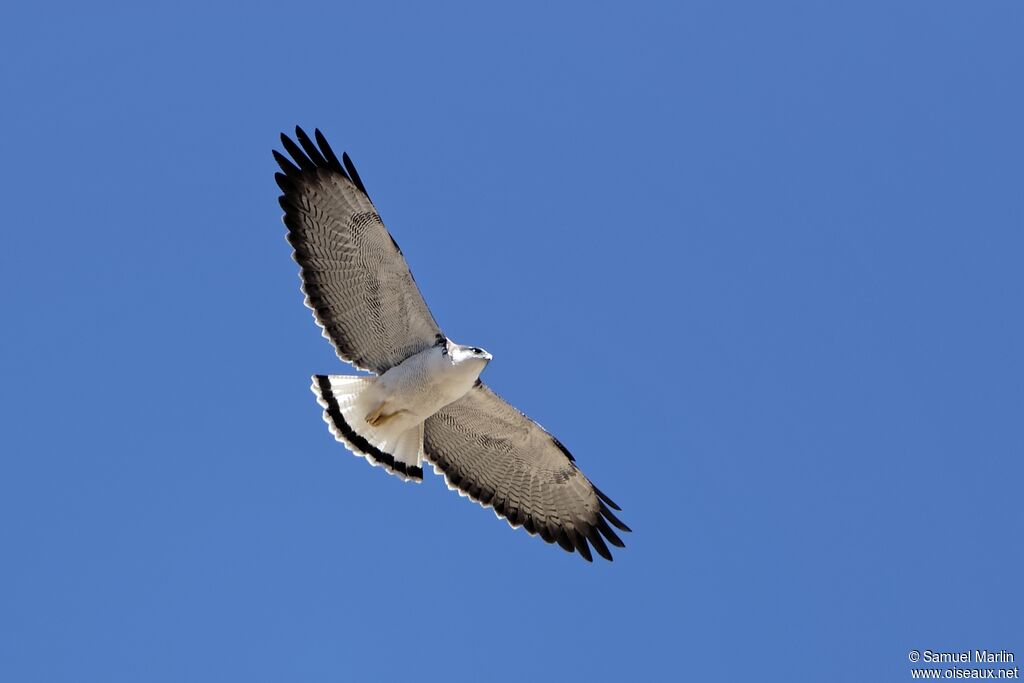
(758, 265)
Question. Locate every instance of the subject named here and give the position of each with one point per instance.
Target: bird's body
(426, 401)
(409, 393)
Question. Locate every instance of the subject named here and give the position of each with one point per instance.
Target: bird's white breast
(426, 382)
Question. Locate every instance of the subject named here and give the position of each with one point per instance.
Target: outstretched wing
(353, 273)
(502, 459)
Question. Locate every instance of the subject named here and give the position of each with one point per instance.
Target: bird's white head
(468, 354)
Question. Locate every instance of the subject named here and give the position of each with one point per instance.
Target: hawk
(424, 400)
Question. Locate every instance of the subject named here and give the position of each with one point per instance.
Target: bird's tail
(346, 409)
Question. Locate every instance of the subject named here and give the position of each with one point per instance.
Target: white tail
(398, 452)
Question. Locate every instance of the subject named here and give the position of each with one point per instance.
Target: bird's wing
(353, 273)
(502, 459)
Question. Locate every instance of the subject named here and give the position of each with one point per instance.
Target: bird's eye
(477, 351)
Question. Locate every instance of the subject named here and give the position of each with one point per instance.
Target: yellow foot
(378, 416)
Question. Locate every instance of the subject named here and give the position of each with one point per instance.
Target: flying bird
(424, 400)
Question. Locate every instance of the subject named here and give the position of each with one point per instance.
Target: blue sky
(758, 265)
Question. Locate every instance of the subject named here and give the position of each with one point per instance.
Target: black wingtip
(563, 540)
(307, 145)
(562, 448)
(580, 542)
(598, 543)
(612, 537)
(332, 159)
(308, 155)
(613, 519)
(605, 498)
(296, 153)
(283, 182)
(353, 174)
(287, 166)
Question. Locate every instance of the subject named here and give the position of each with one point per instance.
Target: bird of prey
(424, 400)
